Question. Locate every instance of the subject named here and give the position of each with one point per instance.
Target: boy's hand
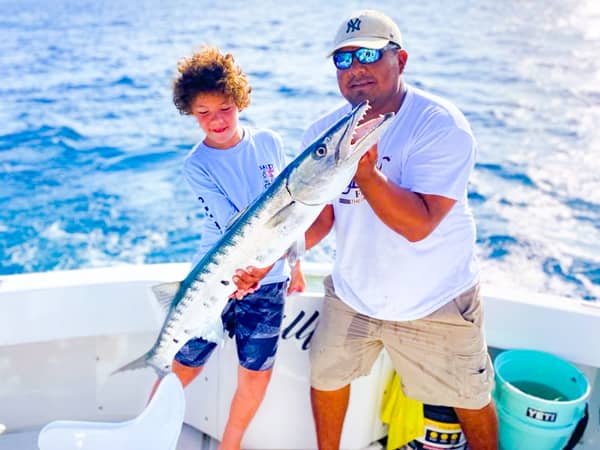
(297, 280)
(246, 280)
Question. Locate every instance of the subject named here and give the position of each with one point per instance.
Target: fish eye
(320, 151)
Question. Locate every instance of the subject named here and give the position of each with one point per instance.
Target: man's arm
(411, 214)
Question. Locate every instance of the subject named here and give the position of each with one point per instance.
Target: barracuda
(260, 235)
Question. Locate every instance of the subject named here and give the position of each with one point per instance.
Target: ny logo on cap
(353, 25)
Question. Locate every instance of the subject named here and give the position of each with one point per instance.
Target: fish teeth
(364, 113)
(362, 116)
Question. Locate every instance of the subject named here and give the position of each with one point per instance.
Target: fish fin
(280, 216)
(234, 218)
(165, 293)
(296, 251)
(208, 332)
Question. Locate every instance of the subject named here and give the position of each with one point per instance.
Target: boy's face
(217, 115)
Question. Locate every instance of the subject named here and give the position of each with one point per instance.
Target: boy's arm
(214, 203)
(247, 279)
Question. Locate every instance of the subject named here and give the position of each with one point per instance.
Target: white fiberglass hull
(63, 333)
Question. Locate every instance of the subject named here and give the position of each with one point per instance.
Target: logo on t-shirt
(353, 194)
(268, 174)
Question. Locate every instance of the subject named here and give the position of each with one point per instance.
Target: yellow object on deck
(403, 415)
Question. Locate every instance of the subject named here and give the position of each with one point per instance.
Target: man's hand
(368, 162)
(367, 166)
(246, 280)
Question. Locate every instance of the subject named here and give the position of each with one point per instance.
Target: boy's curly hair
(209, 71)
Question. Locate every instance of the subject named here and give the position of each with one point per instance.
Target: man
(405, 275)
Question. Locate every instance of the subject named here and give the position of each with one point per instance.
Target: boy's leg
(185, 374)
(251, 388)
(190, 359)
(257, 324)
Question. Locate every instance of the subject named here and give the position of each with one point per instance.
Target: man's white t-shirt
(226, 181)
(428, 148)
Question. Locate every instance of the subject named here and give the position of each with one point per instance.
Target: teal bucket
(540, 399)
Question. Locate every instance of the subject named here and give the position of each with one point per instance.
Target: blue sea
(91, 145)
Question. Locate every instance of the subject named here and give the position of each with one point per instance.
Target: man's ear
(402, 58)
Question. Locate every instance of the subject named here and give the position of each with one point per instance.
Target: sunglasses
(343, 59)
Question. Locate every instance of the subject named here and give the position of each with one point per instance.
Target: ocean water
(91, 145)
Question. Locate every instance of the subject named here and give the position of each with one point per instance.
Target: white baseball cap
(366, 28)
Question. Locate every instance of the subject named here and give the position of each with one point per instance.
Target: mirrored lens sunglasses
(343, 59)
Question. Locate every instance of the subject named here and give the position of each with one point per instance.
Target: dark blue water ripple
(507, 173)
(91, 145)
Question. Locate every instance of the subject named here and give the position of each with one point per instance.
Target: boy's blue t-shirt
(228, 180)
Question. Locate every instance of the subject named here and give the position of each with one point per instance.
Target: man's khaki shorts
(442, 359)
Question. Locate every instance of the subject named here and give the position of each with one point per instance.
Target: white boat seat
(156, 428)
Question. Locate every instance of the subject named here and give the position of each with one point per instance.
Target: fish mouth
(358, 137)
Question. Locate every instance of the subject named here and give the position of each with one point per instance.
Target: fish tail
(146, 360)
(139, 363)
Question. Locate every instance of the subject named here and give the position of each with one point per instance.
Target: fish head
(323, 170)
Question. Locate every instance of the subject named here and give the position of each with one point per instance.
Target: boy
(227, 170)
